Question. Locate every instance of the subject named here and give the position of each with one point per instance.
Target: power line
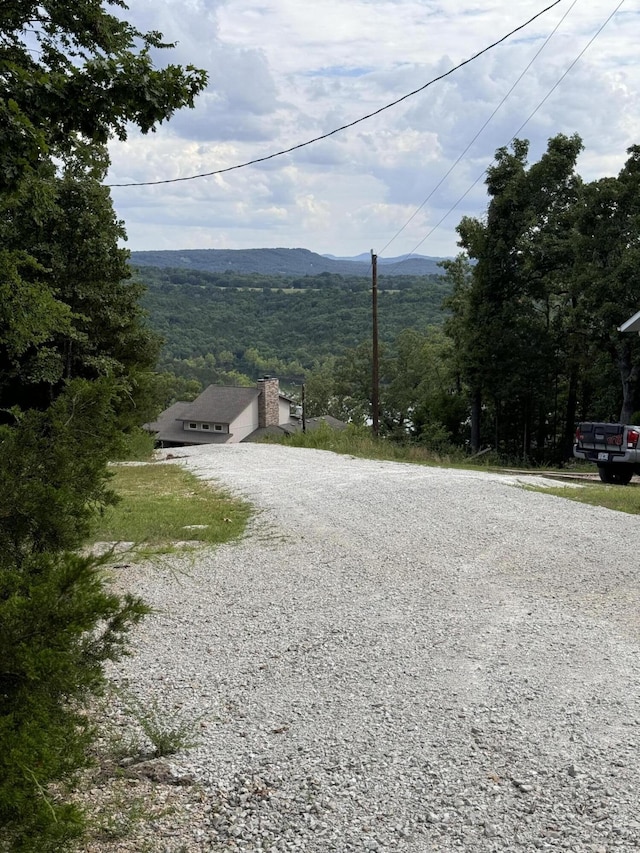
(523, 125)
(344, 126)
(487, 122)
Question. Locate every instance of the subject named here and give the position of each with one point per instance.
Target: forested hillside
(244, 324)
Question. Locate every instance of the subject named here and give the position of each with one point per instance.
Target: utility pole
(375, 403)
(304, 409)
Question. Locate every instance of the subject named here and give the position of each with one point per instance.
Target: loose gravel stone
(395, 658)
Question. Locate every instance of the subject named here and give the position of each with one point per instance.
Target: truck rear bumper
(604, 457)
(598, 455)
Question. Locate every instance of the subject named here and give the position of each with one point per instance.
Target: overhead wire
(484, 126)
(344, 126)
(523, 125)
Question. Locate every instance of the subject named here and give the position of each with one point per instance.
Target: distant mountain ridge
(365, 258)
(285, 262)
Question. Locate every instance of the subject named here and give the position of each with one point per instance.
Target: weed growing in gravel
(119, 816)
(165, 737)
(127, 789)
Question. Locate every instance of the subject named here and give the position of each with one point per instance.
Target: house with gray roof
(224, 414)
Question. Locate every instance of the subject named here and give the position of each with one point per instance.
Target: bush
(137, 446)
(53, 472)
(58, 625)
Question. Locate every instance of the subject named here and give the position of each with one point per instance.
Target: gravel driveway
(398, 658)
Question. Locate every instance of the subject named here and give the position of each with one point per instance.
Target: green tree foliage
(281, 330)
(57, 627)
(75, 359)
(504, 320)
(608, 273)
(420, 394)
(419, 388)
(320, 389)
(169, 389)
(535, 319)
(92, 324)
(53, 471)
(76, 73)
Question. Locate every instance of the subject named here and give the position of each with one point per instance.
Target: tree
(320, 393)
(58, 624)
(608, 272)
(426, 378)
(170, 389)
(99, 326)
(459, 273)
(504, 322)
(72, 75)
(75, 358)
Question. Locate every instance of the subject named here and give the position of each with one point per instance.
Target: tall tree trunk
(476, 408)
(629, 378)
(570, 414)
(542, 433)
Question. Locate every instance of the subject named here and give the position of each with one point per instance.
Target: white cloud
(285, 71)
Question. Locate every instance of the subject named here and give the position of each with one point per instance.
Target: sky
(282, 72)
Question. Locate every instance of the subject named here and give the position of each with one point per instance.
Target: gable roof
(222, 403)
(167, 417)
(169, 428)
(632, 324)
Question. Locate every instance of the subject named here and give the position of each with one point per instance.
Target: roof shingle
(222, 403)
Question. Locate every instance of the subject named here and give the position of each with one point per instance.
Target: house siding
(285, 411)
(244, 424)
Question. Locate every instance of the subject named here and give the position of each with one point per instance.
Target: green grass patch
(619, 498)
(359, 441)
(161, 504)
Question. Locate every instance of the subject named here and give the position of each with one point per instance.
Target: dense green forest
(245, 324)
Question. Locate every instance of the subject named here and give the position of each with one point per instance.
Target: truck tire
(617, 475)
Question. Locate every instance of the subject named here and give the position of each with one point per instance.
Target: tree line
(535, 321)
(161, 278)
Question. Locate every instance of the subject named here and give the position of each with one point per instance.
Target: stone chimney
(268, 402)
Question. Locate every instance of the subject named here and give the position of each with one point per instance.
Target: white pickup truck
(613, 447)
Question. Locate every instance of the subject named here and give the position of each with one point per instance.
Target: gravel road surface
(397, 658)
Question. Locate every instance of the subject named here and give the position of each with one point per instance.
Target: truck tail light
(579, 435)
(632, 438)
